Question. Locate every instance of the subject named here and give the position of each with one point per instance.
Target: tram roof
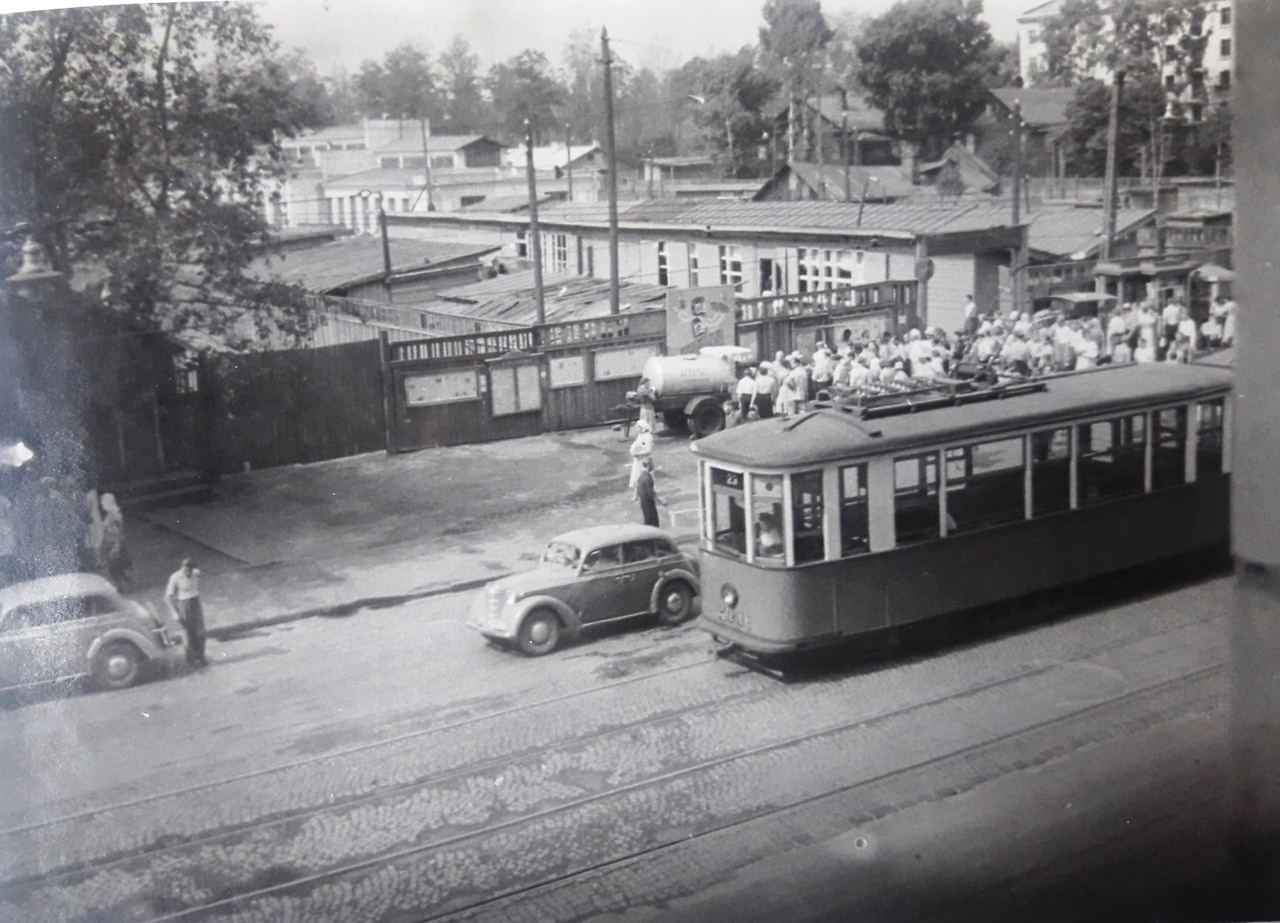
(827, 435)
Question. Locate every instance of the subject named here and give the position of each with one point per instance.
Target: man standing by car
(183, 596)
(647, 496)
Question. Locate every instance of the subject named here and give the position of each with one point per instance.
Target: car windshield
(562, 554)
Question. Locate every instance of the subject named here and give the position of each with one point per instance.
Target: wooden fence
(295, 406)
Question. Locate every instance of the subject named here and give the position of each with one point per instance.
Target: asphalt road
(390, 765)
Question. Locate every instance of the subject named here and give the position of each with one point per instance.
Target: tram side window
(766, 499)
(1111, 458)
(728, 512)
(986, 485)
(1050, 471)
(915, 498)
(806, 516)
(854, 536)
(1169, 454)
(1209, 424)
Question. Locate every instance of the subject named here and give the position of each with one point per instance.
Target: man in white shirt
(183, 596)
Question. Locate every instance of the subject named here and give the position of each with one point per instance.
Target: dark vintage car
(587, 577)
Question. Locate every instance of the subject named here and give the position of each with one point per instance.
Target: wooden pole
(534, 231)
(615, 299)
(1109, 196)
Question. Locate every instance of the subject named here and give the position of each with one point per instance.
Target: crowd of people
(991, 346)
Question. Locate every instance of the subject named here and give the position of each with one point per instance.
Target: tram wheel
(675, 603)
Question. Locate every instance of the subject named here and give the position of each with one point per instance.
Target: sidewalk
(284, 543)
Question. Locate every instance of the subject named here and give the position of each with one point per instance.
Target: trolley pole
(534, 232)
(615, 299)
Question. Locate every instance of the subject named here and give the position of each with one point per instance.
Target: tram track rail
(761, 689)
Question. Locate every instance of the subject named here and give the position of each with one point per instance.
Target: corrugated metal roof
(827, 435)
(411, 142)
(510, 298)
(1064, 230)
(335, 265)
(1042, 107)
(912, 217)
(882, 182)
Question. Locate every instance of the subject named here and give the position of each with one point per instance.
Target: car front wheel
(675, 602)
(539, 633)
(117, 666)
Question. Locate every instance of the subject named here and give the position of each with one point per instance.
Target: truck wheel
(707, 418)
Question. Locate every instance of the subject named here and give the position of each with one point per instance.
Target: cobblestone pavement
(653, 781)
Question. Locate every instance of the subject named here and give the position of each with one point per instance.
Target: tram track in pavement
(200, 850)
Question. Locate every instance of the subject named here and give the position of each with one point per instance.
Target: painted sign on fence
(698, 317)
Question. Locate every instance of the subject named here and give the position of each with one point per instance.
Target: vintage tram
(853, 518)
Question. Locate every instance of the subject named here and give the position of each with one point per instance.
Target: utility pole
(844, 150)
(426, 161)
(1109, 200)
(534, 232)
(386, 248)
(1017, 162)
(568, 157)
(614, 296)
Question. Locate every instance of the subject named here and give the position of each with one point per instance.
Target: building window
(1224, 80)
(522, 243)
(819, 269)
(441, 161)
(411, 163)
(662, 263)
(1170, 81)
(558, 247)
(1224, 48)
(471, 200)
(388, 163)
(731, 265)
(693, 265)
(1226, 16)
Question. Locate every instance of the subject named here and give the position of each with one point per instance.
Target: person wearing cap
(641, 448)
(183, 596)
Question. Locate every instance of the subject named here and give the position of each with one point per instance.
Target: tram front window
(1111, 458)
(728, 512)
(854, 538)
(916, 511)
(766, 501)
(985, 484)
(1209, 423)
(1050, 471)
(1169, 456)
(806, 516)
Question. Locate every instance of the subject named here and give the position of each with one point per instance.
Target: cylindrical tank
(670, 375)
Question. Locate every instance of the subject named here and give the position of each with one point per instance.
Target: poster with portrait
(698, 317)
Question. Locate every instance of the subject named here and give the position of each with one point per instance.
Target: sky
(655, 33)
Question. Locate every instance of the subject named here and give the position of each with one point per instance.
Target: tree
(924, 62)
(525, 94)
(584, 92)
(731, 95)
(1162, 37)
(402, 86)
(136, 141)
(1139, 127)
(463, 104)
(793, 45)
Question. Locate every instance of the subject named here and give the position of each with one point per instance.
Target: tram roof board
(823, 436)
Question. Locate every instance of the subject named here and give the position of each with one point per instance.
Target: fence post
(388, 392)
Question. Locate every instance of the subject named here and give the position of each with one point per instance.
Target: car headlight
(729, 594)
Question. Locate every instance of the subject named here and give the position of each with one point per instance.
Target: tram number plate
(734, 616)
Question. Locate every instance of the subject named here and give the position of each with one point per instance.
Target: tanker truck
(692, 390)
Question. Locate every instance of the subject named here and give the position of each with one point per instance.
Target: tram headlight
(729, 594)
